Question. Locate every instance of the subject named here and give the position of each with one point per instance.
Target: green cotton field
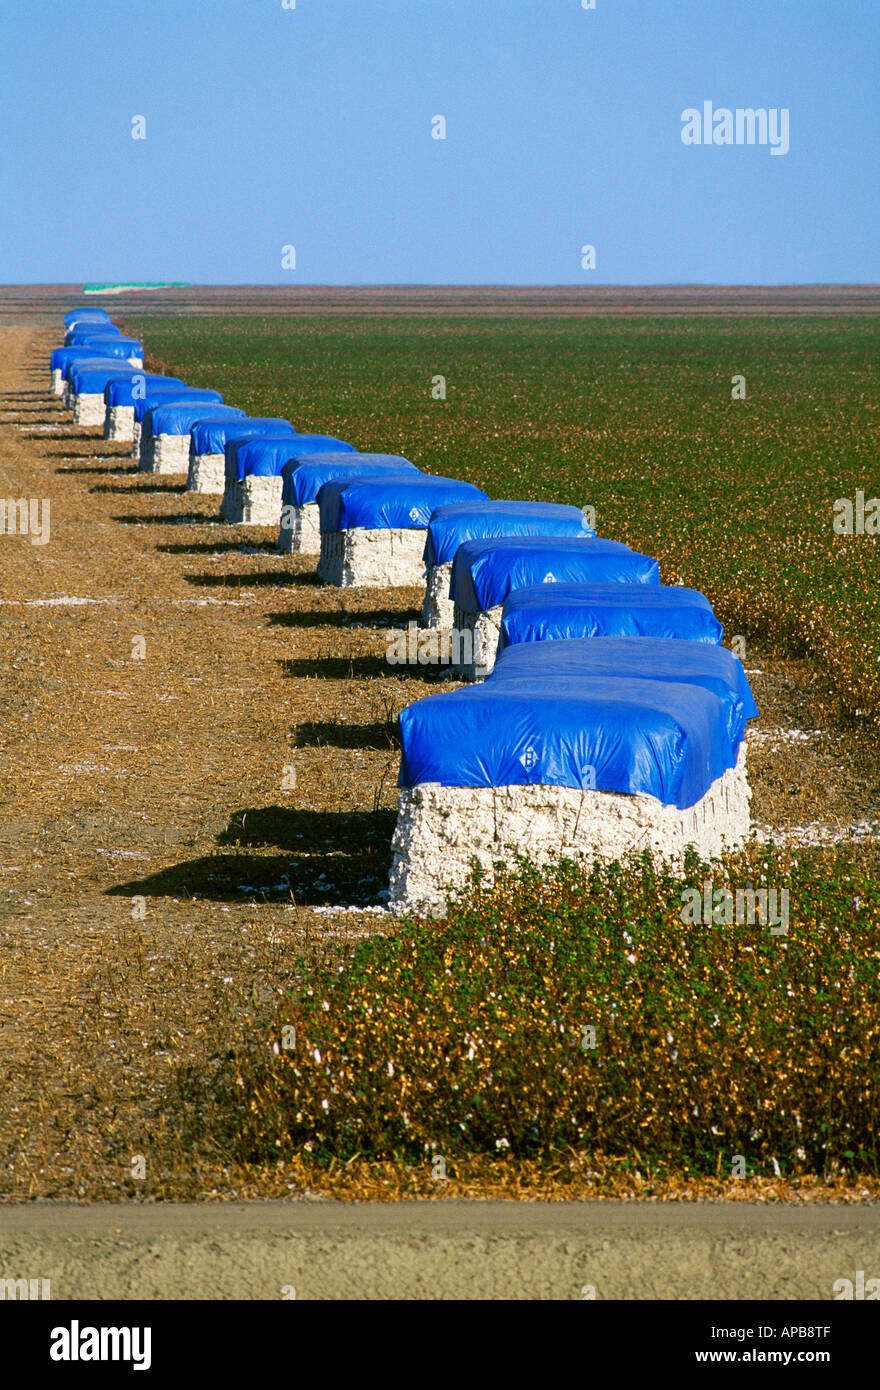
(638, 418)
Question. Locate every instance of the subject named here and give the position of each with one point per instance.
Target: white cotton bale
(89, 408)
(441, 831)
(254, 501)
(57, 382)
(367, 557)
(119, 422)
(438, 609)
(164, 453)
(206, 474)
(300, 531)
(135, 361)
(136, 428)
(486, 630)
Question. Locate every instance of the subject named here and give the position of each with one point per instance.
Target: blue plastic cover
(93, 326)
(303, 481)
(80, 355)
(211, 436)
(643, 658)
(635, 658)
(85, 313)
(265, 458)
(84, 334)
(485, 572)
(91, 379)
(668, 739)
(63, 358)
(112, 344)
(385, 500)
(94, 337)
(451, 525)
(169, 395)
(542, 612)
(79, 365)
(108, 348)
(134, 348)
(178, 417)
(125, 388)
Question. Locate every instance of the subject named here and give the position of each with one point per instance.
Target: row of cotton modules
(597, 714)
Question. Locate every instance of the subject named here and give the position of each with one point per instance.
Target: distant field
(631, 415)
(51, 301)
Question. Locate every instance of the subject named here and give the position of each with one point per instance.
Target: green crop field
(635, 417)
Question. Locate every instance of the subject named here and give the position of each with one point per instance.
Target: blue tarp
(62, 358)
(451, 526)
(125, 389)
(668, 739)
(385, 500)
(76, 367)
(170, 395)
(93, 326)
(178, 417)
(485, 572)
(304, 480)
(546, 611)
(84, 334)
(635, 658)
(211, 436)
(112, 345)
(91, 379)
(91, 338)
(265, 458)
(86, 313)
(651, 658)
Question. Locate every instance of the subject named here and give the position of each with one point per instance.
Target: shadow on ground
(344, 617)
(288, 827)
(332, 858)
(145, 486)
(381, 735)
(172, 519)
(260, 579)
(216, 547)
(340, 668)
(26, 395)
(129, 468)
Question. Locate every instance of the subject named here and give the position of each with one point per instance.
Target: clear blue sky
(311, 127)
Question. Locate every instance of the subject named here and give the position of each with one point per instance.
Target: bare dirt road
(442, 1250)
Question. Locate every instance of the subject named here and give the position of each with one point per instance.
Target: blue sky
(268, 127)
